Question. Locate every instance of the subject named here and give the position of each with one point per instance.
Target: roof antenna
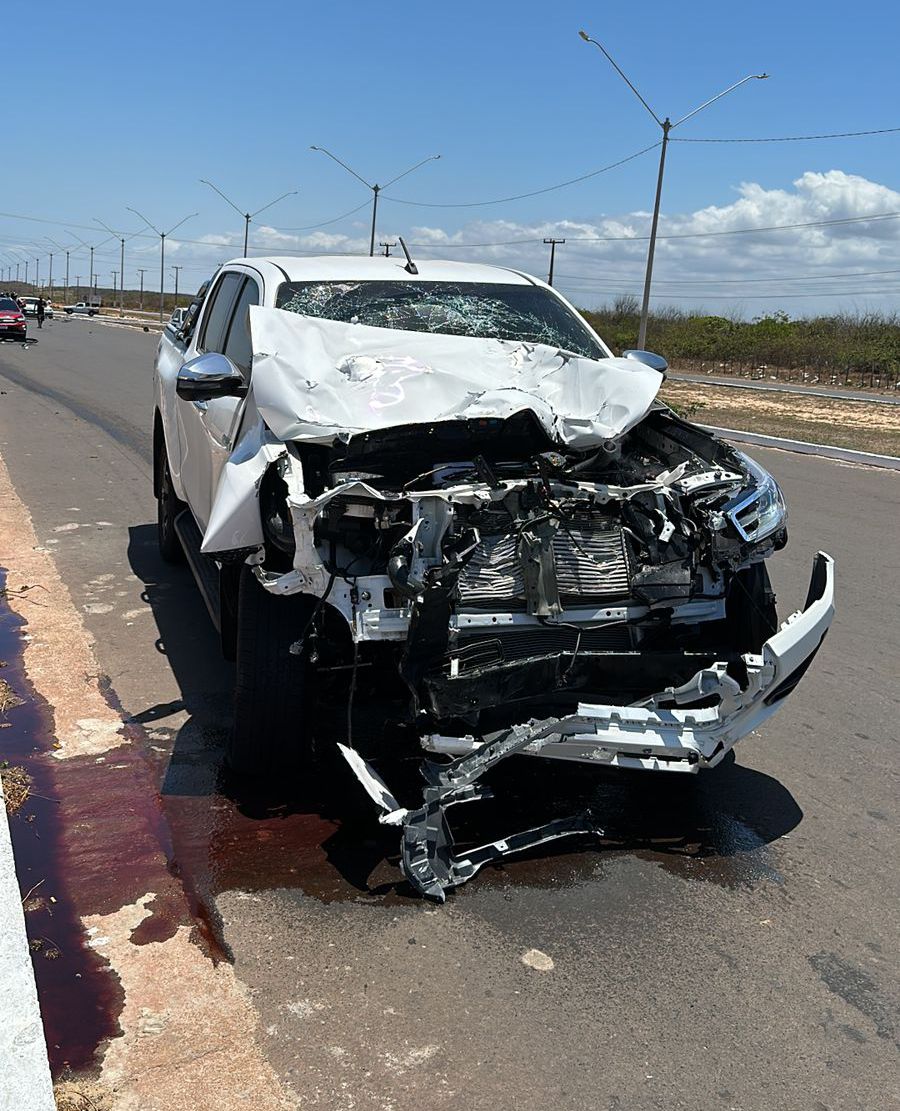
(410, 266)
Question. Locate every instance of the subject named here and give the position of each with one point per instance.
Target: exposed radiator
(491, 647)
(591, 565)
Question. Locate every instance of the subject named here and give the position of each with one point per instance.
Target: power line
(741, 281)
(797, 138)
(533, 193)
(677, 235)
(325, 223)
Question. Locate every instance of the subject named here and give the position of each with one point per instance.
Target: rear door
(206, 428)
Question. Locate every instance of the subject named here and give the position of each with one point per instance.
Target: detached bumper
(667, 733)
(658, 735)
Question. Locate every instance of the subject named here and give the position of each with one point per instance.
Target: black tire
(273, 691)
(168, 506)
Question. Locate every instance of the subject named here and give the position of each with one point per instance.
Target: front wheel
(273, 687)
(168, 507)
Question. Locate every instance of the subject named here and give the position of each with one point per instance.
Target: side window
(219, 314)
(237, 346)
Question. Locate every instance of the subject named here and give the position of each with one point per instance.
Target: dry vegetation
(860, 350)
(16, 784)
(81, 1095)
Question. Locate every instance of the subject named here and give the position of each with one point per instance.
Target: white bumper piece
(660, 736)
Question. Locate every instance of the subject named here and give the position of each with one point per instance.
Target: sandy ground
(851, 424)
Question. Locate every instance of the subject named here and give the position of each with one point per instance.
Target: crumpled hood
(316, 380)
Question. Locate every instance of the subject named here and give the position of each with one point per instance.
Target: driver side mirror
(648, 358)
(209, 376)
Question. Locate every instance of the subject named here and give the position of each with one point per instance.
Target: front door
(207, 428)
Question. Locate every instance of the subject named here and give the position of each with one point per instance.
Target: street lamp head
(584, 35)
(761, 76)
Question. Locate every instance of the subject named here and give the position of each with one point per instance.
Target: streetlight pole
(91, 289)
(142, 273)
(247, 216)
(162, 253)
(115, 274)
(37, 275)
(553, 243)
(666, 126)
(121, 237)
(59, 247)
(176, 269)
(376, 189)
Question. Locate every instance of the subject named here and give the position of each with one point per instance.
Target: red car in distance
(12, 320)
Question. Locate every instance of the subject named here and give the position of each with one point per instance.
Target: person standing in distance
(40, 311)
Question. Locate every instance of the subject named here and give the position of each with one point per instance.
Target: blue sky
(137, 104)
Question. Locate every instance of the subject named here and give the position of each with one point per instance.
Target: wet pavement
(729, 942)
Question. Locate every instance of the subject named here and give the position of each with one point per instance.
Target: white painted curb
(25, 1083)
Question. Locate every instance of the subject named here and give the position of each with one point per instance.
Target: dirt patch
(858, 425)
(16, 787)
(82, 1095)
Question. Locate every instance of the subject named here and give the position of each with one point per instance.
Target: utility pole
(387, 248)
(666, 126)
(50, 277)
(77, 285)
(115, 274)
(553, 243)
(376, 189)
(37, 275)
(142, 273)
(176, 269)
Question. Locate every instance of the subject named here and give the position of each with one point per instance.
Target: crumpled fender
(234, 521)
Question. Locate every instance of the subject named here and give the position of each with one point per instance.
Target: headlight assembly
(761, 511)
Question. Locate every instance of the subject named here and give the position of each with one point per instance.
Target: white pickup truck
(82, 308)
(433, 490)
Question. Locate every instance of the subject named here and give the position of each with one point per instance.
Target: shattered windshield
(478, 309)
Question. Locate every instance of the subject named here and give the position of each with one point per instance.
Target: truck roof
(360, 268)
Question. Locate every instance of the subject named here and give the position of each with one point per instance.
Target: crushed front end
(607, 605)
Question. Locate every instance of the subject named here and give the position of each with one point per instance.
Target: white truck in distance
(82, 308)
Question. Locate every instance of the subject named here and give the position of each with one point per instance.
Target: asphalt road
(733, 948)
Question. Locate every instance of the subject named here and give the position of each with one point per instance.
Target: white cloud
(748, 272)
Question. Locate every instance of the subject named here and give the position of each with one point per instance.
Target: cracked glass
(481, 310)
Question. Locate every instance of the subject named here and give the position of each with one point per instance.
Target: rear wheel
(168, 506)
(273, 688)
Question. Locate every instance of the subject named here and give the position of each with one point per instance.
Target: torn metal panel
(234, 521)
(317, 380)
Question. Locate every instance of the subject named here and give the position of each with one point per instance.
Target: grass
(858, 425)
